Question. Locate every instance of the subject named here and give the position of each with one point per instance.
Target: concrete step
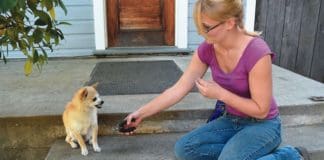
(50, 128)
(148, 50)
(160, 146)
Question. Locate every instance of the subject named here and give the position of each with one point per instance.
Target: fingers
(200, 83)
(204, 83)
(129, 120)
(198, 86)
(128, 133)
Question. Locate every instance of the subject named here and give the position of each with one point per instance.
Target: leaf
(21, 44)
(25, 43)
(21, 4)
(13, 44)
(45, 53)
(52, 13)
(50, 47)
(53, 33)
(12, 34)
(60, 33)
(2, 31)
(35, 56)
(3, 40)
(64, 23)
(28, 28)
(43, 15)
(42, 60)
(38, 35)
(25, 51)
(6, 5)
(48, 4)
(56, 41)
(40, 22)
(31, 4)
(30, 39)
(47, 37)
(62, 6)
(28, 68)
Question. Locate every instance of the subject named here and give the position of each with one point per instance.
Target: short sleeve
(257, 49)
(204, 52)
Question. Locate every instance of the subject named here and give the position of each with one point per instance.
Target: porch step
(160, 146)
(176, 120)
(120, 51)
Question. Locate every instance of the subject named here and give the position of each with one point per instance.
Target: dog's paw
(74, 145)
(84, 152)
(97, 149)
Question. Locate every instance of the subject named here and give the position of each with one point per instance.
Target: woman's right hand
(135, 115)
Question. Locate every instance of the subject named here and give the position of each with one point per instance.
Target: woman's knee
(179, 149)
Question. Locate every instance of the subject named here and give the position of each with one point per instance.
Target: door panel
(140, 16)
(140, 23)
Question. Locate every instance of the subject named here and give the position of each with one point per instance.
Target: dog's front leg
(94, 138)
(84, 150)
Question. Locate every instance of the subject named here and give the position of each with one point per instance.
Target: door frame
(181, 22)
(100, 25)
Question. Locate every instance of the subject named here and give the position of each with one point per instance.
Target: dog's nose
(102, 102)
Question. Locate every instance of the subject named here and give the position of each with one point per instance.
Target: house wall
(194, 39)
(80, 38)
(294, 30)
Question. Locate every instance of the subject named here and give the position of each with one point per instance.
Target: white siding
(193, 38)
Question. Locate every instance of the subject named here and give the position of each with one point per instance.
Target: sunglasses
(208, 28)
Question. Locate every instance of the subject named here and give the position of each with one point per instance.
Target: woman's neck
(233, 40)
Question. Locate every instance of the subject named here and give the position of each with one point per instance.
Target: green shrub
(31, 27)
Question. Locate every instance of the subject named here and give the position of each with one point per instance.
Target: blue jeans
(234, 138)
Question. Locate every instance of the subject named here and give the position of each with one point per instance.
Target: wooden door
(140, 22)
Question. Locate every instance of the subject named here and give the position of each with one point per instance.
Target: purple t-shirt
(237, 81)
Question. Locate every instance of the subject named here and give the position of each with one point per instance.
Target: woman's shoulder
(256, 49)
(205, 51)
(204, 46)
(258, 44)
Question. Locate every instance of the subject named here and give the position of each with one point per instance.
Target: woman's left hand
(210, 89)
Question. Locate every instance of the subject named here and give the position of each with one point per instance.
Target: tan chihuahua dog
(80, 118)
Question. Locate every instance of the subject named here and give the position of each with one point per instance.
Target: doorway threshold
(145, 50)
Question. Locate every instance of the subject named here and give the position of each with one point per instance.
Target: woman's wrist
(224, 96)
(141, 113)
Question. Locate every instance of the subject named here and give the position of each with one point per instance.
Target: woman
(240, 63)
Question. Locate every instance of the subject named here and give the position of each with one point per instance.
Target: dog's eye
(94, 99)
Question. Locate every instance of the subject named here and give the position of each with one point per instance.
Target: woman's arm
(260, 83)
(174, 94)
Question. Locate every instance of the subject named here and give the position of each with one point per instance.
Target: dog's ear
(84, 93)
(95, 85)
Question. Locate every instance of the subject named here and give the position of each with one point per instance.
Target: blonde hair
(220, 10)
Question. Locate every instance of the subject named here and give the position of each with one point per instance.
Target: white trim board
(181, 23)
(100, 27)
(99, 15)
(249, 12)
